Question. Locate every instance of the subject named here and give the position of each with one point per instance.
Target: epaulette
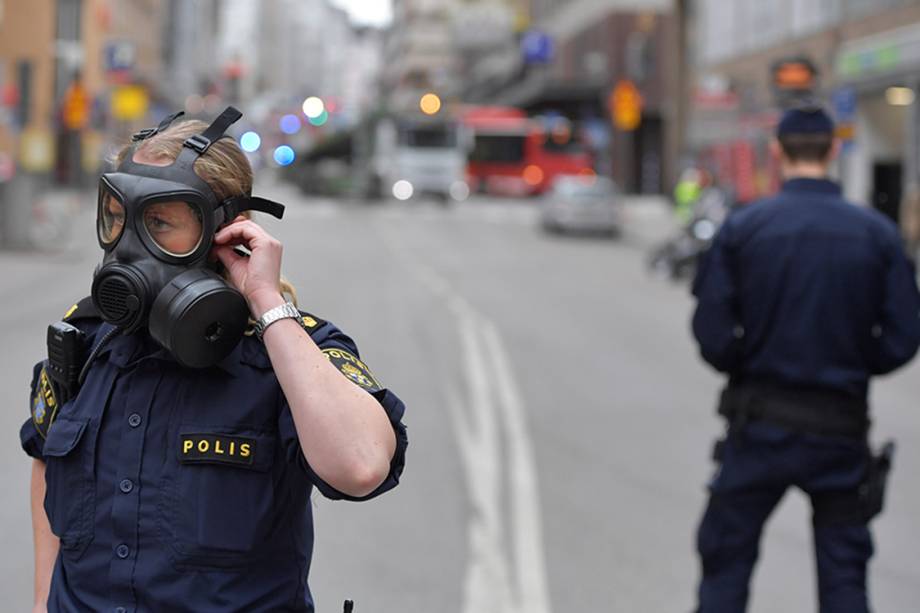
(311, 322)
(85, 309)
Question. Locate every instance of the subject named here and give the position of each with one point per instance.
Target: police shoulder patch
(85, 309)
(44, 404)
(353, 368)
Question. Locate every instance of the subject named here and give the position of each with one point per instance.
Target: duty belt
(802, 410)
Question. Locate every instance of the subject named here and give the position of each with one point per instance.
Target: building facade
(866, 54)
(567, 58)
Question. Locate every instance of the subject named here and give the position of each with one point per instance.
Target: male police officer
(801, 299)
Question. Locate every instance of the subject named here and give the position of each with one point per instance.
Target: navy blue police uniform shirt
(807, 289)
(184, 490)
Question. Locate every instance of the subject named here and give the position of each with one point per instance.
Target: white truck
(408, 157)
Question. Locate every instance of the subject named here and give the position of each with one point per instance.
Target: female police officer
(179, 464)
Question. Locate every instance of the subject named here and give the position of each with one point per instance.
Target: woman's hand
(258, 276)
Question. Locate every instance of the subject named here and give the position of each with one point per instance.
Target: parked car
(582, 203)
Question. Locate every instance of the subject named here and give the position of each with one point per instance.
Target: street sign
(844, 100)
(75, 108)
(129, 102)
(537, 47)
(119, 56)
(626, 106)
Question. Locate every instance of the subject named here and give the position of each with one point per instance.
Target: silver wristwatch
(285, 311)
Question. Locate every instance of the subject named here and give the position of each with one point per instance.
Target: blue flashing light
(320, 119)
(284, 155)
(250, 142)
(289, 124)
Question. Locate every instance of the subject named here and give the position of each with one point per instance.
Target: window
(498, 148)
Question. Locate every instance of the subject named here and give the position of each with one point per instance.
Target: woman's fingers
(227, 256)
(242, 231)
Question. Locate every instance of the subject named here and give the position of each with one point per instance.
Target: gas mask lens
(111, 217)
(175, 226)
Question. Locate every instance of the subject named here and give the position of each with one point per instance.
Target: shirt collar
(812, 186)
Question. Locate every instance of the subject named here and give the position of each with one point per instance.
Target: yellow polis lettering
(203, 445)
(217, 448)
(187, 445)
(244, 450)
(232, 445)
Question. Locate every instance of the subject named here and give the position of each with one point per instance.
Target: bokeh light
(284, 155)
(459, 191)
(194, 104)
(289, 124)
(430, 103)
(313, 107)
(403, 190)
(319, 120)
(533, 175)
(250, 142)
(212, 104)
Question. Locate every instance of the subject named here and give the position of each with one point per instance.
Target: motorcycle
(676, 259)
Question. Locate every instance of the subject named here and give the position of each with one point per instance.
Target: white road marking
(505, 573)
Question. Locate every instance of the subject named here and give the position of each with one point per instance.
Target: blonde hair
(224, 167)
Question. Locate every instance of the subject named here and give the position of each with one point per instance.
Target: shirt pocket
(70, 487)
(218, 496)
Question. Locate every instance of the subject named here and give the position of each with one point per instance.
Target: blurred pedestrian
(687, 193)
(176, 468)
(802, 298)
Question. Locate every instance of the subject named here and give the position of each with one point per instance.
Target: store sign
(893, 50)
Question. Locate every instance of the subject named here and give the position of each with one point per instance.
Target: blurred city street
(504, 202)
(560, 420)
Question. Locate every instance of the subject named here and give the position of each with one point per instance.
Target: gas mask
(156, 225)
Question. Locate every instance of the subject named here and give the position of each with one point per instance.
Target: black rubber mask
(157, 225)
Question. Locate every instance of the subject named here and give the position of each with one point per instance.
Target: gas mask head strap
(150, 132)
(196, 145)
(237, 204)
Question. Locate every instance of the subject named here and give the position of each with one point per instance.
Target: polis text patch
(216, 448)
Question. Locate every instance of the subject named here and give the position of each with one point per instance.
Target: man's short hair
(806, 133)
(814, 147)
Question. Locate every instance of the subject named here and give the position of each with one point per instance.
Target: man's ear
(776, 150)
(836, 145)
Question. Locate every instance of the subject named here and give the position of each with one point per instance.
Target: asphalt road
(560, 420)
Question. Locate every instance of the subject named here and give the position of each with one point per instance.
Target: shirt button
(126, 485)
(122, 551)
(134, 420)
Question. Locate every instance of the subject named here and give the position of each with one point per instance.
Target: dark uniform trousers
(758, 464)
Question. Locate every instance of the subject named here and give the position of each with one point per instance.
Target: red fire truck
(513, 154)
